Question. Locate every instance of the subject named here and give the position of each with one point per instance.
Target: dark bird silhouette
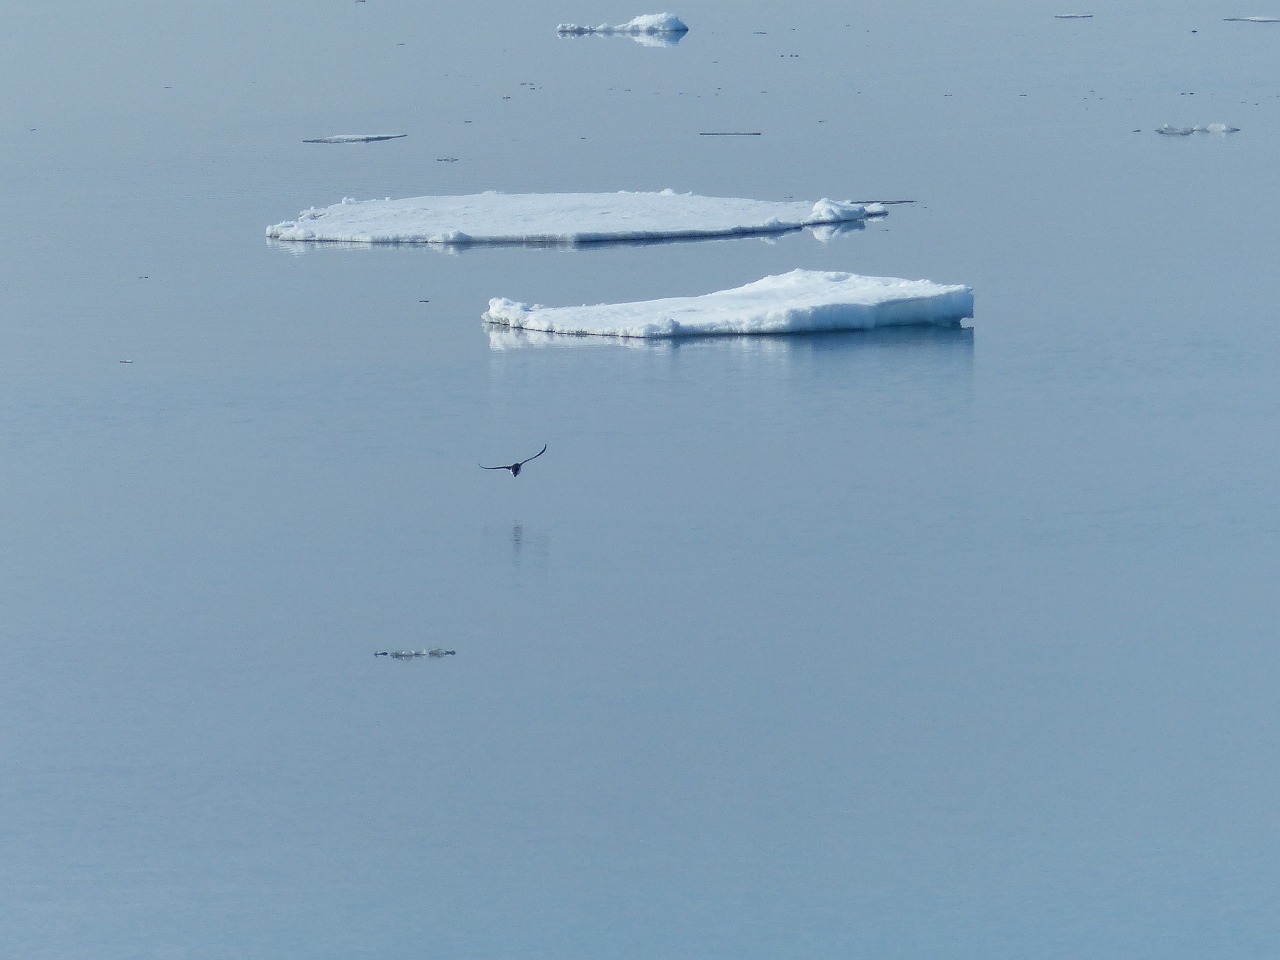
(515, 467)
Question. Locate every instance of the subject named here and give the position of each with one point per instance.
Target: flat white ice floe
(802, 301)
(561, 218)
(357, 138)
(648, 23)
(1172, 131)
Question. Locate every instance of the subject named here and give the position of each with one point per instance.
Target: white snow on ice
(802, 301)
(649, 23)
(358, 138)
(561, 218)
(1172, 131)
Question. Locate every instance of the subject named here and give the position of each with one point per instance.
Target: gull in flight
(515, 467)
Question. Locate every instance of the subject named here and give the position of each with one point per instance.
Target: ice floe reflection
(947, 338)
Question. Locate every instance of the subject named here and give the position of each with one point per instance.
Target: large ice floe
(802, 301)
(561, 218)
(648, 23)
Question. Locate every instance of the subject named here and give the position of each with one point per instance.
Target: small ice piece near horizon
(802, 301)
(648, 23)
(1219, 128)
(1073, 16)
(1251, 19)
(561, 218)
(358, 138)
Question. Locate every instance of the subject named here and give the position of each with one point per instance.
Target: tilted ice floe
(802, 301)
(1172, 131)
(358, 138)
(561, 218)
(648, 23)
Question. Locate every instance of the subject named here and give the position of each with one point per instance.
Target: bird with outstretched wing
(515, 467)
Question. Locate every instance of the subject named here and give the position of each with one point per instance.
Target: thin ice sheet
(562, 218)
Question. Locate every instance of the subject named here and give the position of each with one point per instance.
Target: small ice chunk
(1073, 16)
(1219, 128)
(648, 23)
(357, 138)
(559, 218)
(802, 301)
(1252, 19)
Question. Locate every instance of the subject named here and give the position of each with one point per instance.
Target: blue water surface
(930, 643)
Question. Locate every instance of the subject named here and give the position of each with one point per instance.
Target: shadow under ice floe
(561, 218)
(802, 301)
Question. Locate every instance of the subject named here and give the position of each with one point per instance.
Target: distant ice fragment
(1252, 19)
(560, 218)
(1220, 128)
(802, 301)
(648, 23)
(1073, 16)
(358, 138)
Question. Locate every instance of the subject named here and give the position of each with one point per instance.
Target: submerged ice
(561, 218)
(802, 301)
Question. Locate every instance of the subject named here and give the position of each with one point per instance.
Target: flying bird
(515, 467)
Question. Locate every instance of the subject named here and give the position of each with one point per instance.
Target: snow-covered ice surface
(802, 301)
(561, 218)
(648, 23)
(1169, 130)
(357, 138)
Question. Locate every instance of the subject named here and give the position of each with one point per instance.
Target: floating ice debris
(358, 138)
(1220, 128)
(438, 653)
(1252, 19)
(434, 652)
(648, 23)
(1073, 16)
(560, 218)
(802, 301)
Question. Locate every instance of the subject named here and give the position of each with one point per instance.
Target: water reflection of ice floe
(878, 339)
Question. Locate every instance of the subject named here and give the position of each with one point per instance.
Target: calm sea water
(914, 644)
